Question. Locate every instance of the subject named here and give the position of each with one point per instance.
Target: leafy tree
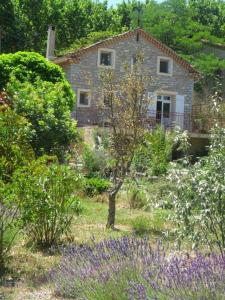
(48, 109)
(124, 114)
(7, 26)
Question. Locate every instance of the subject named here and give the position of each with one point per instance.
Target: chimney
(51, 43)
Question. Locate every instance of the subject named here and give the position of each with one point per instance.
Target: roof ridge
(74, 56)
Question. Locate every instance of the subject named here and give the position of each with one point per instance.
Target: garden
(112, 217)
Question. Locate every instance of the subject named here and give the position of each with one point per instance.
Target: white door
(163, 110)
(180, 111)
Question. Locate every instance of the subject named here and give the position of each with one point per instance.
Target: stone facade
(85, 75)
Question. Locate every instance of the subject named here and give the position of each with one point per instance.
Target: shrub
(29, 66)
(155, 153)
(137, 197)
(129, 268)
(141, 225)
(8, 222)
(94, 186)
(200, 198)
(96, 162)
(48, 108)
(47, 200)
(15, 148)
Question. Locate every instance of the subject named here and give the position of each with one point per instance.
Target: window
(84, 98)
(106, 58)
(164, 66)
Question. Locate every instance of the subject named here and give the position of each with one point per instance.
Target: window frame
(170, 61)
(79, 91)
(113, 53)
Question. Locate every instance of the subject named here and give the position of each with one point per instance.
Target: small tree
(125, 103)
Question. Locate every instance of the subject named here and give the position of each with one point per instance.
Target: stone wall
(86, 75)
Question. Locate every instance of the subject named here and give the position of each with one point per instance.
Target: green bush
(95, 186)
(154, 155)
(141, 225)
(137, 197)
(29, 66)
(8, 222)
(47, 201)
(48, 109)
(15, 148)
(199, 202)
(96, 162)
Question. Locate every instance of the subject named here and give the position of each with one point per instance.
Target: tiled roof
(74, 57)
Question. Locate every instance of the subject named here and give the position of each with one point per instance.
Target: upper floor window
(106, 58)
(164, 65)
(84, 98)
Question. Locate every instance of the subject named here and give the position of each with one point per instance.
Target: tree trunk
(112, 210)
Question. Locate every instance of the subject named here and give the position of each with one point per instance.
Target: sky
(114, 2)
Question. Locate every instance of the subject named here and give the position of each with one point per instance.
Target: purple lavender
(129, 268)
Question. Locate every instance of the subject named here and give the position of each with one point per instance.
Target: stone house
(171, 92)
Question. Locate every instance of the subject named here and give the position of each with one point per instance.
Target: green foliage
(48, 109)
(90, 39)
(29, 66)
(95, 186)
(15, 148)
(200, 198)
(95, 162)
(141, 225)
(137, 197)
(47, 201)
(155, 153)
(8, 222)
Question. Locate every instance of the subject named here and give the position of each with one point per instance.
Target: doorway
(163, 110)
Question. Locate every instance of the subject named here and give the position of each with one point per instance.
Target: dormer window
(164, 66)
(106, 58)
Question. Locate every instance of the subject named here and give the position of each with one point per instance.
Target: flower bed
(129, 268)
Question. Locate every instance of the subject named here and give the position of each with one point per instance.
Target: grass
(29, 268)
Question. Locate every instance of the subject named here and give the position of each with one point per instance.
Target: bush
(95, 162)
(29, 66)
(199, 202)
(155, 153)
(47, 200)
(141, 225)
(129, 268)
(8, 222)
(15, 148)
(137, 197)
(95, 186)
(48, 108)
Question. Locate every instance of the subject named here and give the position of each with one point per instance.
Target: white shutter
(152, 105)
(180, 111)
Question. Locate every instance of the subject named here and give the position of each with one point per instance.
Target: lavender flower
(129, 268)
